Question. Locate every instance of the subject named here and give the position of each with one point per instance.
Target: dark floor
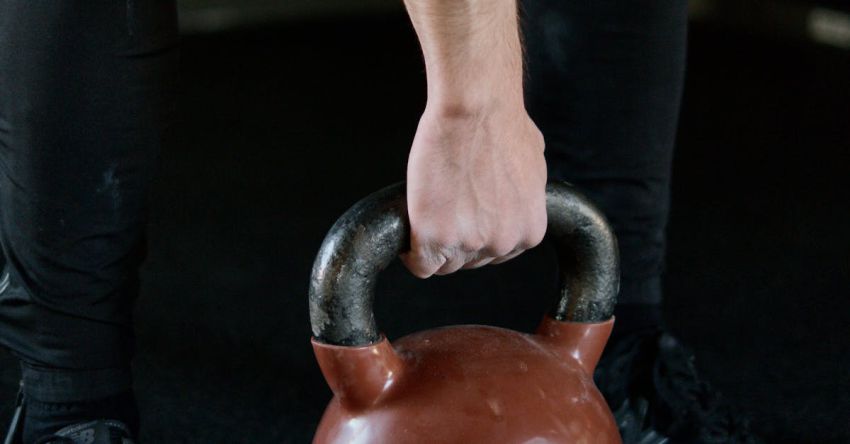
(282, 131)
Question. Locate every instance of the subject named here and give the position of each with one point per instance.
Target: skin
(476, 175)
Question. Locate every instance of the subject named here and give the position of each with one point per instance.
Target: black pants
(604, 84)
(87, 93)
(87, 97)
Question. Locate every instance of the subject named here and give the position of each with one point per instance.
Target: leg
(605, 84)
(605, 80)
(86, 97)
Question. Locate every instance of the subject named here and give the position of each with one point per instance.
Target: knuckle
(535, 236)
(423, 261)
(449, 268)
(535, 229)
(502, 246)
(417, 268)
(473, 243)
(420, 273)
(441, 240)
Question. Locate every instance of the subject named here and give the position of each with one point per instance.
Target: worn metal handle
(376, 230)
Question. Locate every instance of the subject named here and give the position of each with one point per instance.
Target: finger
(508, 256)
(422, 264)
(454, 262)
(478, 263)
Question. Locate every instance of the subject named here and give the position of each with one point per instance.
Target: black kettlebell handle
(375, 230)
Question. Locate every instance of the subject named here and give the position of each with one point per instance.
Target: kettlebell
(469, 383)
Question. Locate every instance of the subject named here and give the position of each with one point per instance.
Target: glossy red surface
(469, 384)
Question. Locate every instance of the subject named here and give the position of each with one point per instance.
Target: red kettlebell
(463, 384)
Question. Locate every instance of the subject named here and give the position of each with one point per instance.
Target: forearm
(472, 50)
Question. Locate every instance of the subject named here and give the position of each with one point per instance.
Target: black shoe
(102, 431)
(651, 384)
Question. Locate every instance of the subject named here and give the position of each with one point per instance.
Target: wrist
(474, 94)
(475, 84)
(497, 125)
(474, 107)
(466, 105)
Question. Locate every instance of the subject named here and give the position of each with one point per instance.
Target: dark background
(285, 125)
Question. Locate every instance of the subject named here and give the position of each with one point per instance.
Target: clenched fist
(476, 189)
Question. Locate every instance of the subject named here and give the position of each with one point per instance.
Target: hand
(476, 189)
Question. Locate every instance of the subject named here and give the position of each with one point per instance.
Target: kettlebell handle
(376, 230)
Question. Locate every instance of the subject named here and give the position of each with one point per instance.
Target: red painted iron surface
(469, 384)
